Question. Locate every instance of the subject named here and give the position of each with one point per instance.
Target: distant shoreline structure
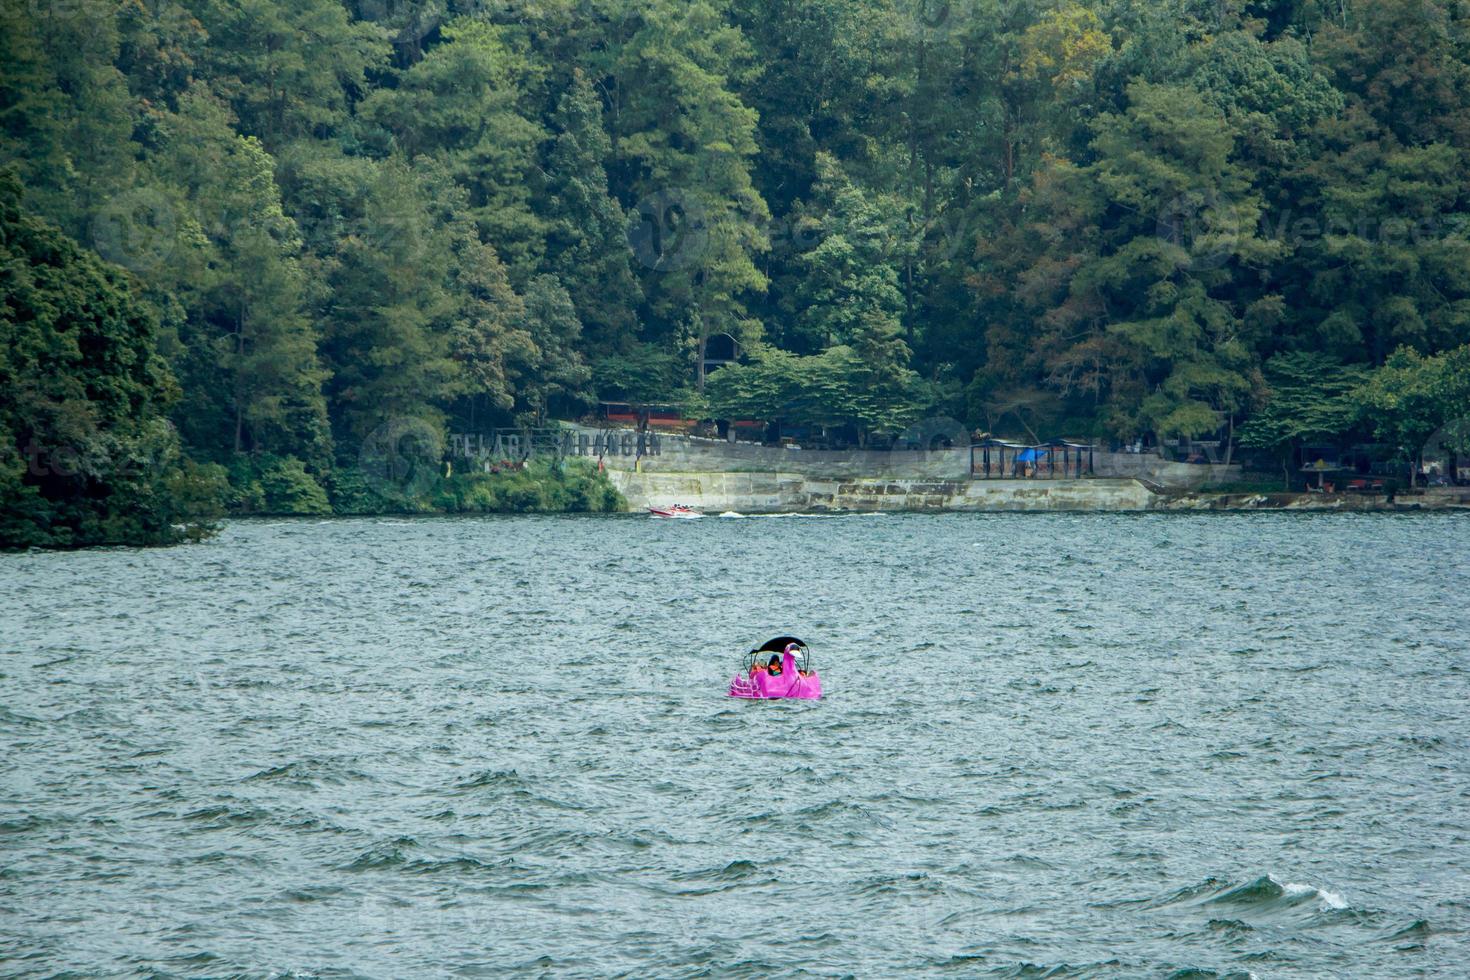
(793, 493)
(660, 469)
(717, 476)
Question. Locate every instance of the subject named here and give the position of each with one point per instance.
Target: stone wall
(766, 493)
(1317, 502)
(679, 454)
(688, 454)
(775, 493)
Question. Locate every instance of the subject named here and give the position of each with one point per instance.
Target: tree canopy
(1095, 217)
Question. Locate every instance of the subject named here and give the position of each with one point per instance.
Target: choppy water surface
(1052, 745)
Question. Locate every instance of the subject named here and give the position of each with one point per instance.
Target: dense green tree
(1412, 397)
(488, 329)
(587, 230)
(461, 104)
(1379, 207)
(288, 69)
(1133, 285)
(86, 456)
(249, 344)
(67, 116)
(863, 386)
(769, 387)
(883, 397)
(1309, 396)
(683, 142)
(389, 319)
(552, 371)
(31, 101)
(640, 372)
(159, 51)
(1406, 62)
(850, 276)
(1050, 216)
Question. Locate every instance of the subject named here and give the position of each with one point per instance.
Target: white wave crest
(1329, 899)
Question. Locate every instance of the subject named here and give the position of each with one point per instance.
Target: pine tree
(462, 106)
(239, 276)
(684, 143)
(390, 314)
(587, 247)
(850, 275)
(288, 70)
(555, 371)
(489, 335)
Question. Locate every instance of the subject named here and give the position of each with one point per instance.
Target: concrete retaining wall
(773, 493)
(1316, 502)
(765, 493)
(687, 454)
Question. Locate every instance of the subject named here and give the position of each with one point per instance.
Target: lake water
(1052, 745)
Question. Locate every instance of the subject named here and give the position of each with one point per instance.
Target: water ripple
(1053, 746)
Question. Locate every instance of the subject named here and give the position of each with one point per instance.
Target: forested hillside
(1103, 218)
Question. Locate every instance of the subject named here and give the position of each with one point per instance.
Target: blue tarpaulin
(1031, 455)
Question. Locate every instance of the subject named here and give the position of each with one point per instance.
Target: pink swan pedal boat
(798, 679)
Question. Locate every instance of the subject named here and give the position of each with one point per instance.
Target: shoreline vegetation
(280, 490)
(240, 242)
(201, 496)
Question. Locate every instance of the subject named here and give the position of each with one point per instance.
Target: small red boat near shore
(676, 511)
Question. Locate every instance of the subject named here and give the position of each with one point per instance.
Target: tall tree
(389, 318)
(244, 289)
(684, 143)
(1308, 396)
(1412, 396)
(555, 370)
(461, 104)
(587, 230)
(850, 277)
(288, 69)
(1135, 283)
(489, 338)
